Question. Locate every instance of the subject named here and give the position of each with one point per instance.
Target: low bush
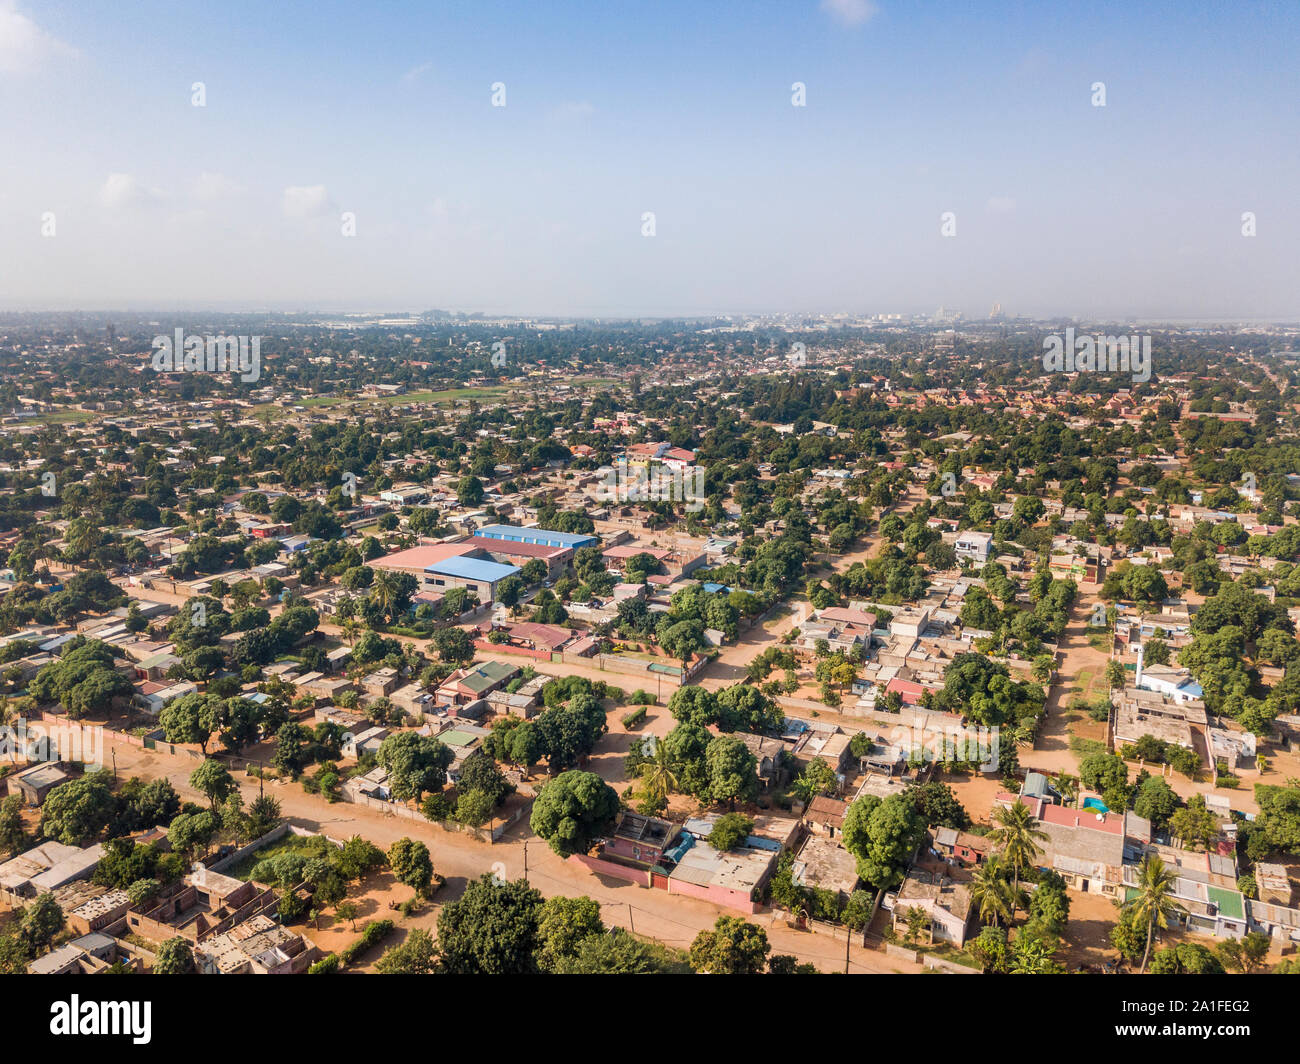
(373, 933)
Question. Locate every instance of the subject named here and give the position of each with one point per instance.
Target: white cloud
(416, 73)
(306, 201)
(24, 45)
(850, 12)
(125, 190)
(1000, 205)
(211, 187)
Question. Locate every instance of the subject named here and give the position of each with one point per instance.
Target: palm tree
(1153, 903)
(383, 591)
(1067, 787)
(660, 780)
(1017, 837)
(991, 893)
(350, 628)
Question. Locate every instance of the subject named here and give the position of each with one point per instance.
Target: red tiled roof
(423, 557)
(518, 550)
(1111, 823)
(910, 690)
(847, 616)
(632, 551)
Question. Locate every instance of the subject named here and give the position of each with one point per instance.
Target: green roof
(1228, 901)
(488, 673)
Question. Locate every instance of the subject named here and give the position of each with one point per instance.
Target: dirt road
(672, 919)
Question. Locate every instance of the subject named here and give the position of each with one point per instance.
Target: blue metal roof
(517, 534)
(684, 842)
(472, 569)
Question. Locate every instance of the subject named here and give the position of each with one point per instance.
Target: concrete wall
(506, 648)
(639, 876)
(728, 899)
(234, 858)
(938, 964)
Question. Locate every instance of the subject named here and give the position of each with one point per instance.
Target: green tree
(733, 947)
(13, 836)
(479, 772)
(174, 957)
(1016, 834)
(411, 864)
(212, 779)
(347, 910)
(989, 949)
(416, 764)
(991, 894)
(191, 718)
(1194, 824)
(1152, 903)
(1186, 958)
(817, 778)
(190, 833)
(1155, 801)
(1031, 956)
(474, 807)
(693, 705)
(414, 956)
(731, 769)
(562, 925)
(492, 929)
(1244, 954)
(658, 778)
(573, 810)
(882, 834)
(619, 953)
(729, 831)
(77, 811)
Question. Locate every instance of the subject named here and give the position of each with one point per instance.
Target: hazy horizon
(535, 208)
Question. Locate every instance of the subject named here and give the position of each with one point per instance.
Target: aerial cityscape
(473, 505)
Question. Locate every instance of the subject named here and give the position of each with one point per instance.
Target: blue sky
(683, 109)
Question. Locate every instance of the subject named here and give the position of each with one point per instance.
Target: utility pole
(631, 924)
(114, 764)
(525, 860)
(848, 938)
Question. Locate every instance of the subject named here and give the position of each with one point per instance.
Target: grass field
(306, 845)
(447, 395)
(63, 417)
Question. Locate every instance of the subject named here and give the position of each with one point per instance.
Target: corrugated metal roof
(472, 569)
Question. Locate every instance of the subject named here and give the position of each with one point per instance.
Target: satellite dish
(1101, 818)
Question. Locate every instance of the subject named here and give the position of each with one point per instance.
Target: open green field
(64, 417)
(449, 395)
